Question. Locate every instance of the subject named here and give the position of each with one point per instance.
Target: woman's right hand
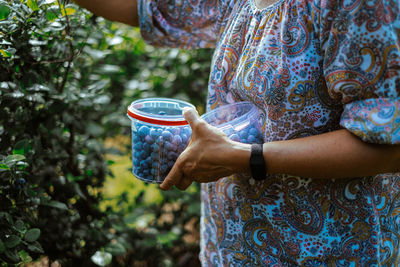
(209, 156)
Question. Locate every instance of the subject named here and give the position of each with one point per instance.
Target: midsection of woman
(275, 58)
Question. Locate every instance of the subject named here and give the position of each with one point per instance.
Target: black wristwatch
(257, 163)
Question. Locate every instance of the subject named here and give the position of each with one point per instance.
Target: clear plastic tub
(159, 135)
(238, 120)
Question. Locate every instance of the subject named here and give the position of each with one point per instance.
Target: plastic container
(238, 120)
(159, 135)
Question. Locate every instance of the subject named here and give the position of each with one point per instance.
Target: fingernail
(186, 109)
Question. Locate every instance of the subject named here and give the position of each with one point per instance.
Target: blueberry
(243, 134)
(149, 139)
(167, 136)
(182, 147)
(143, 164)
(137, 154)
(159, 140)
(187, 131)
(177, 140)
(154, 172)
(164, 168)
(253, 131)
(244, 140)
(149, 161)
(234, 137)
(155, 147)
(172, 155)
(135, 162)
(184, 138)
(154, 133)
(146, 147)
(155, 165)
(172, 130)
(154, 156)
(137, 146)
(170, 164)
(169, 146)
(143, 131)
(146, 173)
(251, 139)
(135, 138)
(165, 150)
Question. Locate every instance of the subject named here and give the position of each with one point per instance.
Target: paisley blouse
(311, 66)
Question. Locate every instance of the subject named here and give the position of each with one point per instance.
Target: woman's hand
(209, 156)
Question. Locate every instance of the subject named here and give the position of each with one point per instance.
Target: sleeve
(183, 23)
(360, 43)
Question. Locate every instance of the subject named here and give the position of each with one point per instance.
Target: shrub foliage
(66, 78)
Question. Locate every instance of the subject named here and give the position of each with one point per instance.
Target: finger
(174, 176)
(184, 183)
(191, 116)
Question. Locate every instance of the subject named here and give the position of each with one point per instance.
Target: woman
(326, 75)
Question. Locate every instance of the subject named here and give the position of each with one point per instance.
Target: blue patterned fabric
(311, 66)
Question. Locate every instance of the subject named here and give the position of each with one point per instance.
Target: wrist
(240, 157)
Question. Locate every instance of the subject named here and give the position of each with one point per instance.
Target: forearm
(125, 11)
(337, 154)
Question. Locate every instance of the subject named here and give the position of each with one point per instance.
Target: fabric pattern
(311, 66)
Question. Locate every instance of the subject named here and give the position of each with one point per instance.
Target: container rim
(224, 125)
(168, 120)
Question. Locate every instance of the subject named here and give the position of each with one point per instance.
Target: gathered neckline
(272, 6)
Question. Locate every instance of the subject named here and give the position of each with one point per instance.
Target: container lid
(159, 111)
(231, 115)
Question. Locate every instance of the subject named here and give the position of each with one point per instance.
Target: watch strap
(257, 163)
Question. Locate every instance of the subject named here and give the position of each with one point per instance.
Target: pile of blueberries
(248, 135)
(156, 148)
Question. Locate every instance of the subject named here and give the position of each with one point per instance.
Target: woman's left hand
(209, 156)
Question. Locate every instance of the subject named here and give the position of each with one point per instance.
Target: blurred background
(67, 195)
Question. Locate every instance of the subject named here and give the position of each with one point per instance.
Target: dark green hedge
(66, 78)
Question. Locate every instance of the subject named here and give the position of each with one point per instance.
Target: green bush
(66, 78)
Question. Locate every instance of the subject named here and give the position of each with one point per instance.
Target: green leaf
(56, 204)
(101, 258)
(20, 226)
(5, 53)
(12, 255)
(4, 11)
(12, 241)
(35, 247)
(22, 147)
(115, 249)
(68, 9)
(24, 256)
(2, 247)
(32, 235)
(12, 159)
(52, 13)
(7, 216)
(167, 238)
(32, 5)
(4, 167)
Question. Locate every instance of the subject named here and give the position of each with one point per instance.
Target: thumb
(191, 116)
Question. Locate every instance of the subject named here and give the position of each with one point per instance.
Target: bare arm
(124, 11)
(338, 154)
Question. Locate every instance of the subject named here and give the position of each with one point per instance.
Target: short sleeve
(360, 43)
(183, 23)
